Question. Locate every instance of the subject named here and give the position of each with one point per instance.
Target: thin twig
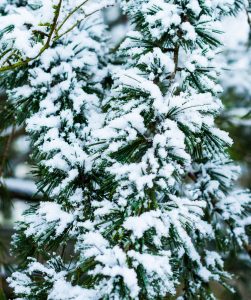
(76, 24)
(70, 14)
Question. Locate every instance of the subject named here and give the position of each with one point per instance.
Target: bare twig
(70, 14)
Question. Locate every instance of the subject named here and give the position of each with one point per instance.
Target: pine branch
(46, 46)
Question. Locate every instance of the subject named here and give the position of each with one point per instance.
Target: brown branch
(248, 18)
(6, 150)
(249, 24)
(192, 176)
(176, 62)
(248, 249)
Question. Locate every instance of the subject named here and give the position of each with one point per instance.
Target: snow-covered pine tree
(52, 65)
(169, 212)
(148, 199)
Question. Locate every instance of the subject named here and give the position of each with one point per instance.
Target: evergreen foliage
(135, 175)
